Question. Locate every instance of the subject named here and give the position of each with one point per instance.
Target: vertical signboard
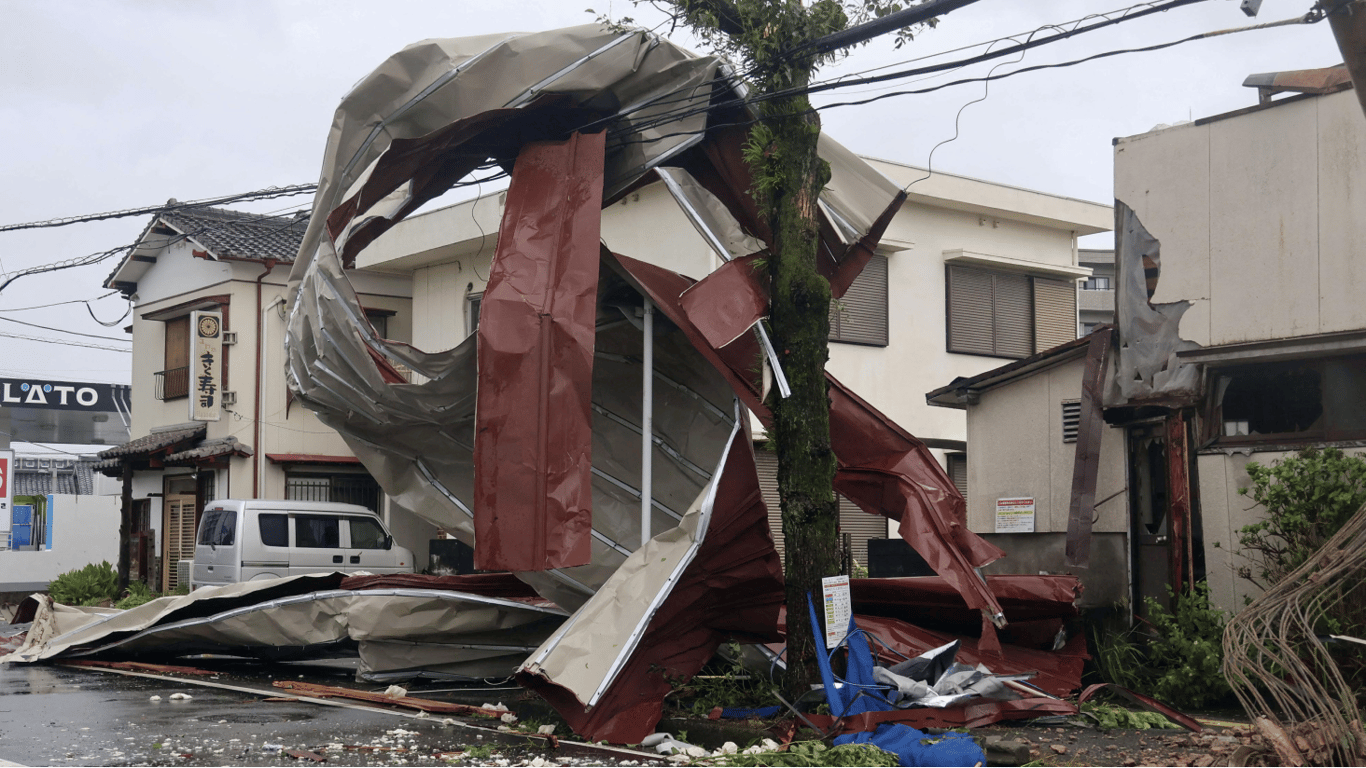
(7, 492)
(206, 365)
(838, 609)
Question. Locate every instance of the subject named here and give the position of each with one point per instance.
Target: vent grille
(1071, 420)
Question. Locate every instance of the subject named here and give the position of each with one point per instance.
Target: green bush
(1308, 496)
(1188, 653)
(138, 593)
(85, 586)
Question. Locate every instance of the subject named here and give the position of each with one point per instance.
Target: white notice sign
(837, 609)
(206, 365)
(1015, 515)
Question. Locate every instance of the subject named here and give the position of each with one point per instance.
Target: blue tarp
(861, 693)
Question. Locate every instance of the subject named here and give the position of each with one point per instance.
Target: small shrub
(138, 593)
(85, 586)
(1188, 653)
(1109, 716)
(1307, 496)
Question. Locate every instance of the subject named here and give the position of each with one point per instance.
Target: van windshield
(366, 533)
(218, 527)
(317, 531)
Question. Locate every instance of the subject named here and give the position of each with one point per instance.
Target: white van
(242, 540)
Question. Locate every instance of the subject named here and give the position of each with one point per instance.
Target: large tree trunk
(800, 301)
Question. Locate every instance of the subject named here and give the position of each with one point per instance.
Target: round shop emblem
(208, 327)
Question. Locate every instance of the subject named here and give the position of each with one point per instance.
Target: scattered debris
(425, 705)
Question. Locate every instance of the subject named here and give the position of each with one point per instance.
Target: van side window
(275, 530)
(366, 533)
(317, 531)
(219, 527)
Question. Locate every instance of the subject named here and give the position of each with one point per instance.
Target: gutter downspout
(260, 350)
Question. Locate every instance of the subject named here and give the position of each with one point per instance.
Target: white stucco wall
(85, 529)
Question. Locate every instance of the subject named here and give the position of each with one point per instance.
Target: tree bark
(800, 314)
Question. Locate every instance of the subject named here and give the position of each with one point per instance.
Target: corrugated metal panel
(767, 464)
(853, 520)
(969, 311)
(958, 472)
(1013, 308)
(1055, 313)
(861, 316)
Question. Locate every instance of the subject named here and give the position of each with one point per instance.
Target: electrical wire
(1309, 18)
(126, 311)
(46, 340)
(60, 330)
(60, 303)
(268, 193)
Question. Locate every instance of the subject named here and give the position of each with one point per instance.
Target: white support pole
(647, 431)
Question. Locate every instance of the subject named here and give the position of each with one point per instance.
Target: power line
(60, 303)
(60, 330)
(45, 340)
(269, 193)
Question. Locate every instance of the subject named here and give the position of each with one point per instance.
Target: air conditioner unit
(229, 338)
(229, 397)
(184, 571)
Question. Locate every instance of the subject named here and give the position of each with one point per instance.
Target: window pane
(366, 533)
(227, 528)
(275, 530)
(317, 531)
(1280, 399)
(1344, 395)
(208, 526)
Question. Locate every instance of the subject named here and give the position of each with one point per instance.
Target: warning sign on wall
(1015, 515)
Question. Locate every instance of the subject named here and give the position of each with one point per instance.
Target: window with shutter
(958, 471)
(1055, 313)
(860, 316)
(1005, 314)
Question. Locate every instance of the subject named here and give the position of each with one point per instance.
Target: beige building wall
(1016, 448)
(1260, 217)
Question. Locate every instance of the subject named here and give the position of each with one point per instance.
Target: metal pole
(647, 431)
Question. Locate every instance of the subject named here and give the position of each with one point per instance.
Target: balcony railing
(1096, 300)
(172, 383)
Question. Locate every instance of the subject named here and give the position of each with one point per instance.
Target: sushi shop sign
(206, 366)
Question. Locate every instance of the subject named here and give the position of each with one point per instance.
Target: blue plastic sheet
(860, 693)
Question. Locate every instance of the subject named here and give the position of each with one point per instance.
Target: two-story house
(263, 445)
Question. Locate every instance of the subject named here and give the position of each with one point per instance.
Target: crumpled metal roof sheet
(429, 116)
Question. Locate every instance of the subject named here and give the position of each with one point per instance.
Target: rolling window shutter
(969, 311)
(767, 464)
(958, 472)
(861, 527)
(1055, 313)
(861, 316)
(1014, 324)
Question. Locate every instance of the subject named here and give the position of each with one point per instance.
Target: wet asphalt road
(55, 715)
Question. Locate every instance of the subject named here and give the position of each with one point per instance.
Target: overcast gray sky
(113, 105)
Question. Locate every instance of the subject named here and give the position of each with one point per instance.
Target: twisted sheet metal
(1282, 671)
